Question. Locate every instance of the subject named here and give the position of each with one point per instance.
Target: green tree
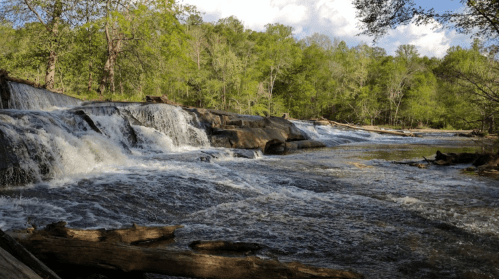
(277, 53)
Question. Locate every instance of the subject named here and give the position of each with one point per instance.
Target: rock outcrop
(272, 135)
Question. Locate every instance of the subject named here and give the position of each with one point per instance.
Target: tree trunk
(113, 49)
(52, 61)
(50, 74)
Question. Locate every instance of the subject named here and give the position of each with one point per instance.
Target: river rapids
(346, 206)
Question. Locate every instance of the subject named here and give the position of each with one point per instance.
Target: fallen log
(11, 246)
(11, 268)
(409, 134)
(59, 247)
(133, 235)
(221, 246)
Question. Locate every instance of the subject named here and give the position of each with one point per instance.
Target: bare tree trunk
(50, 74)
(90, 76)
(112, 55)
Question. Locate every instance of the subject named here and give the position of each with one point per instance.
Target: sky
(334, 18)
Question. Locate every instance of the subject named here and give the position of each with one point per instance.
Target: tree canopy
(479, 18)
(118, 50)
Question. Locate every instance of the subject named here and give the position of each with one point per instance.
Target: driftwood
(59, 247)
(11, 246)
(372, 130)
(11, 268)
(136, 234)
(225, 246)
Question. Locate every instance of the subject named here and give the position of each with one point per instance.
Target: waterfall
(180, 126)
(40, 146)
(37, 146)
(170, 120)
(26, 97)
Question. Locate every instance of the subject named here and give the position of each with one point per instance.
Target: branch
(37, 15)
(486, 17)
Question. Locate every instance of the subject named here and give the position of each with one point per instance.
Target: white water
(26, 97)
(327, 208)
(333, 136)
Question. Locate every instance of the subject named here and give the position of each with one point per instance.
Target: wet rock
(455, 158)
(89, 121)
(487, 159)
(158, 99)
(234, 153)
(302, 144)
(11, 171)
(231, 130)
(245, 153)
(127, 130)
(476, 159)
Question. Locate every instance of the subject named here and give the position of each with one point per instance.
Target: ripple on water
(333, 207)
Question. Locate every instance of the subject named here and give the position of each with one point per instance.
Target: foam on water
(81, 142)
(170, 120)
(333, 136)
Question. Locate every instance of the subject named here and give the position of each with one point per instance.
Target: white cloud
(335, 18)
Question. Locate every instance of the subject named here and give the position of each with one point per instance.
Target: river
(346, 206)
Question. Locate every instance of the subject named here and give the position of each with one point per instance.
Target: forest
(125, 50)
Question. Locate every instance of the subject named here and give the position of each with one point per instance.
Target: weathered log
(11, 268)
(119, 256)
(15, 249)
(225, 246)
(132, 235)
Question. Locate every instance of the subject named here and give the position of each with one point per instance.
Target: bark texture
(100, 249)
(11, 268)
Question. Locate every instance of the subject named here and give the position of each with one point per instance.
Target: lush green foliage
(126, 53)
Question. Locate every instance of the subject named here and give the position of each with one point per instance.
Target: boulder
(11, 172)
(231, 130)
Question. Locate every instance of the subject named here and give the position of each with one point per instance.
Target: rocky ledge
(272, 135)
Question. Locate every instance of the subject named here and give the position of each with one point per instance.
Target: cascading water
(108, 165)
(26, 97)
(84, 140)
(333, 136)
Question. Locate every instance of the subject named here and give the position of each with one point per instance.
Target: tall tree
(53, 15)
(278, 51)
